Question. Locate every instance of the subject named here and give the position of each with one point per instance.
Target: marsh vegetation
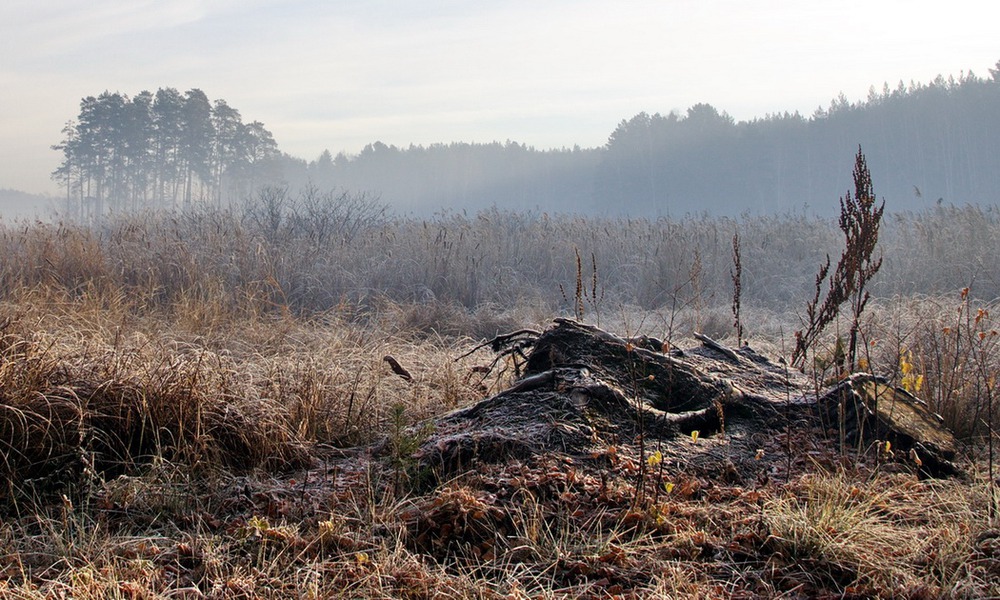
(195, 404)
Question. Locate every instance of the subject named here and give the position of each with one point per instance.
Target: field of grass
(197, 405)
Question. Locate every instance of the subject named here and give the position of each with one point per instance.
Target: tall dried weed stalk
(736, 274)
(860, 219)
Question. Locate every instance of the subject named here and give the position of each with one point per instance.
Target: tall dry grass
(886, 536)
(92, 386)
(161, 374)
(294, 261)
(314, 255)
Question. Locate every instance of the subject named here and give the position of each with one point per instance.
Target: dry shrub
(43, 447)
(71, 409)
(131, 424)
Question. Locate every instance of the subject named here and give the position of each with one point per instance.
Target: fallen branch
(714, 345)
(496, 344)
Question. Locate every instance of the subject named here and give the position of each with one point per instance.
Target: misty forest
(708, 359)
(929, 142)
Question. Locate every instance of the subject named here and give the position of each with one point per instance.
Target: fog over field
(452, 83)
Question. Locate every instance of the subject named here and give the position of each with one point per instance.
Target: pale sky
(335, 74)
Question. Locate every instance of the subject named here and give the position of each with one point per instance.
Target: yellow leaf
(669, 486)
(361, 557)
(655, 458)
(694, 436)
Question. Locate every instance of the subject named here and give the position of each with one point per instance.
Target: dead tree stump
(584, 389)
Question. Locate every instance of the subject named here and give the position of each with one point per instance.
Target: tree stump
(723, 412)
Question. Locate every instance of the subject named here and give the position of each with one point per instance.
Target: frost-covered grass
(189, 408)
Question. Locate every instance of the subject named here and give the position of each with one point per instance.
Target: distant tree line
(928, 143)
(162, 150)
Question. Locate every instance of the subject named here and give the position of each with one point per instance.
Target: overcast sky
(334, 74)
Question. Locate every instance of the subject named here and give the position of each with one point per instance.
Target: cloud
(53, 29)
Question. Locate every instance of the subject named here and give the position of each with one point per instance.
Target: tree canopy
(930, 143)
(162, 150)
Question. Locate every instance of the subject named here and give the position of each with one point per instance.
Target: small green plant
(403, 442)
